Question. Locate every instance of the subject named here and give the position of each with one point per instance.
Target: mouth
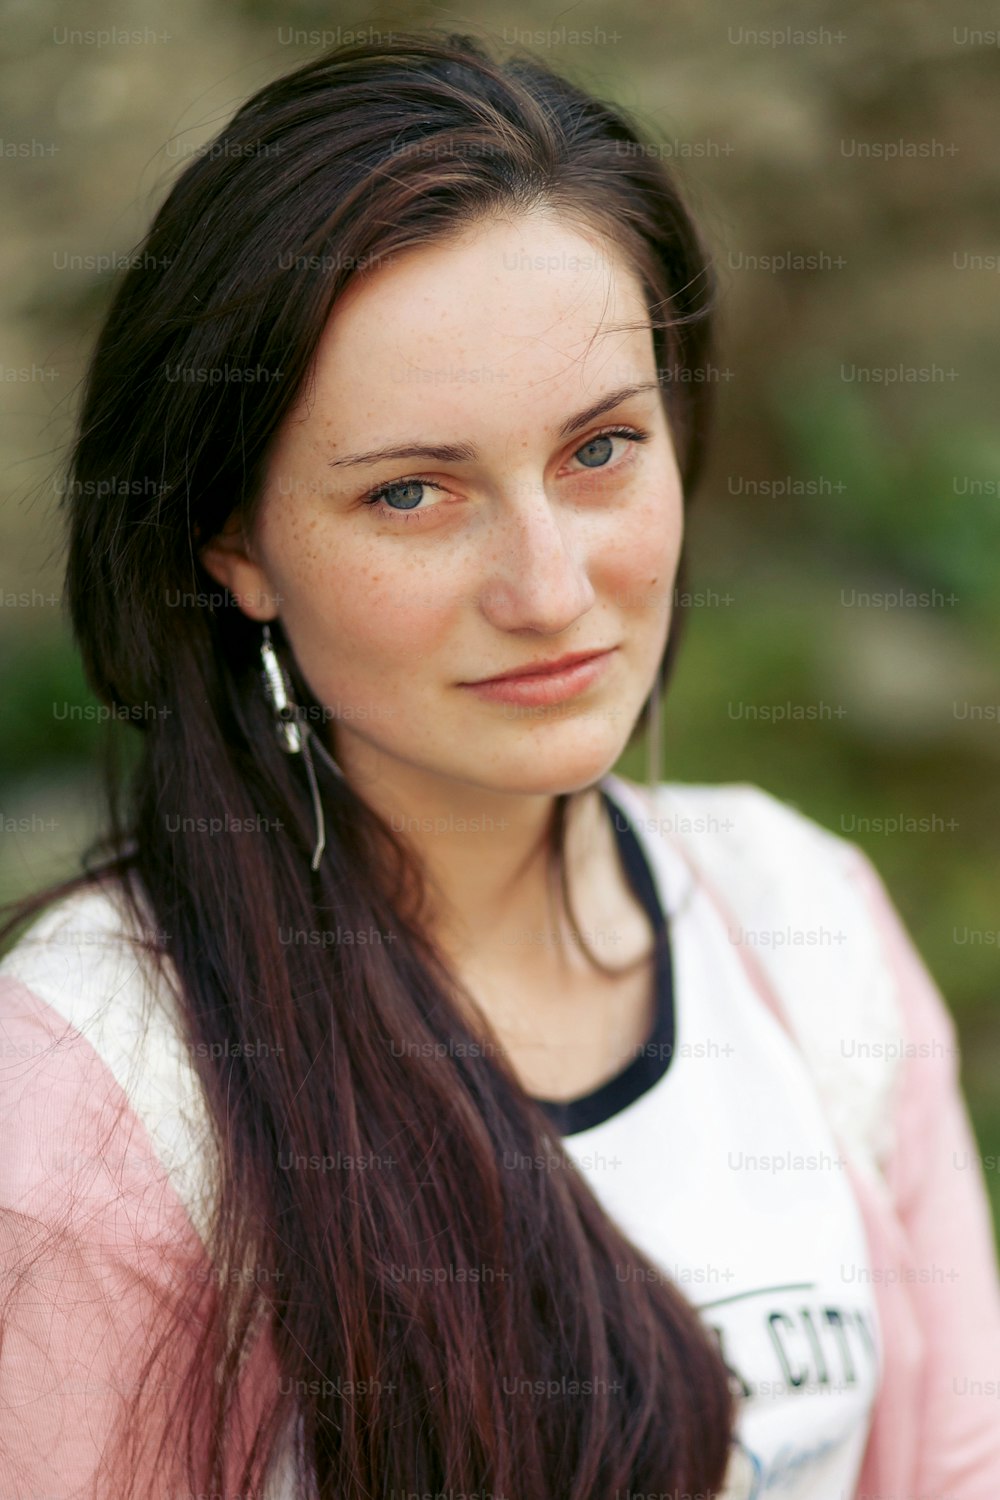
(552, 683)
(555, 667)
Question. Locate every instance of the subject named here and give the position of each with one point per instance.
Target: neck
(485, 855)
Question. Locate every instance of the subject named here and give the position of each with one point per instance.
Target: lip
(540, 688)
(542, 668)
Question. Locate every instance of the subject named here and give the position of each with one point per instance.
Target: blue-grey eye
(604, 437)
(414, 485)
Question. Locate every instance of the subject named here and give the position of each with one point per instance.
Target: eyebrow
(459, 452)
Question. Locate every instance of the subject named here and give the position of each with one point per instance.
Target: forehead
(514, 316)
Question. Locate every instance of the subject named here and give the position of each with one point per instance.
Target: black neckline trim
(648, 1066)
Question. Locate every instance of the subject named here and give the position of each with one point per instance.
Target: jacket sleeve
(937, 1180)
(95, 1250)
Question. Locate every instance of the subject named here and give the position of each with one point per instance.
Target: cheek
(360, 613)
(638, 566)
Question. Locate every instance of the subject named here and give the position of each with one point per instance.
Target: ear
(226, 557)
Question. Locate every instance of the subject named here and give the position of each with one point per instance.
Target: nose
(536, 576)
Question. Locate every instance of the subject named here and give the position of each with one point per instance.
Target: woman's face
(526, 537)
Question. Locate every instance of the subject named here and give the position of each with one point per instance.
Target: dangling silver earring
(294, 732)
(276, 686)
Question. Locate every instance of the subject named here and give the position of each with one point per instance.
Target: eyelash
(373, 498)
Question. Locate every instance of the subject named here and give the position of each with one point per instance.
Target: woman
(351, 1152)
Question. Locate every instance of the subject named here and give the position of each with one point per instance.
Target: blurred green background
(846, 542)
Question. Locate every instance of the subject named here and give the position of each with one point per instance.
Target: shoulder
(742, 818)
(767, 850)
(99, 1246)
(91, 1027)
(802, 907)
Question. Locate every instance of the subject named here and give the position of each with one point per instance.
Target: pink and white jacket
(100, 1105)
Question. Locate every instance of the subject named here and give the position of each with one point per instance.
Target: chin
(557, 769)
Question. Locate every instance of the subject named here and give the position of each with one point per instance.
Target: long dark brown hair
(366, 151)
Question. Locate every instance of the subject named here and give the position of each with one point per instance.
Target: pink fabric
(81, 1294)
(935, 1432)
(938, 1434)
